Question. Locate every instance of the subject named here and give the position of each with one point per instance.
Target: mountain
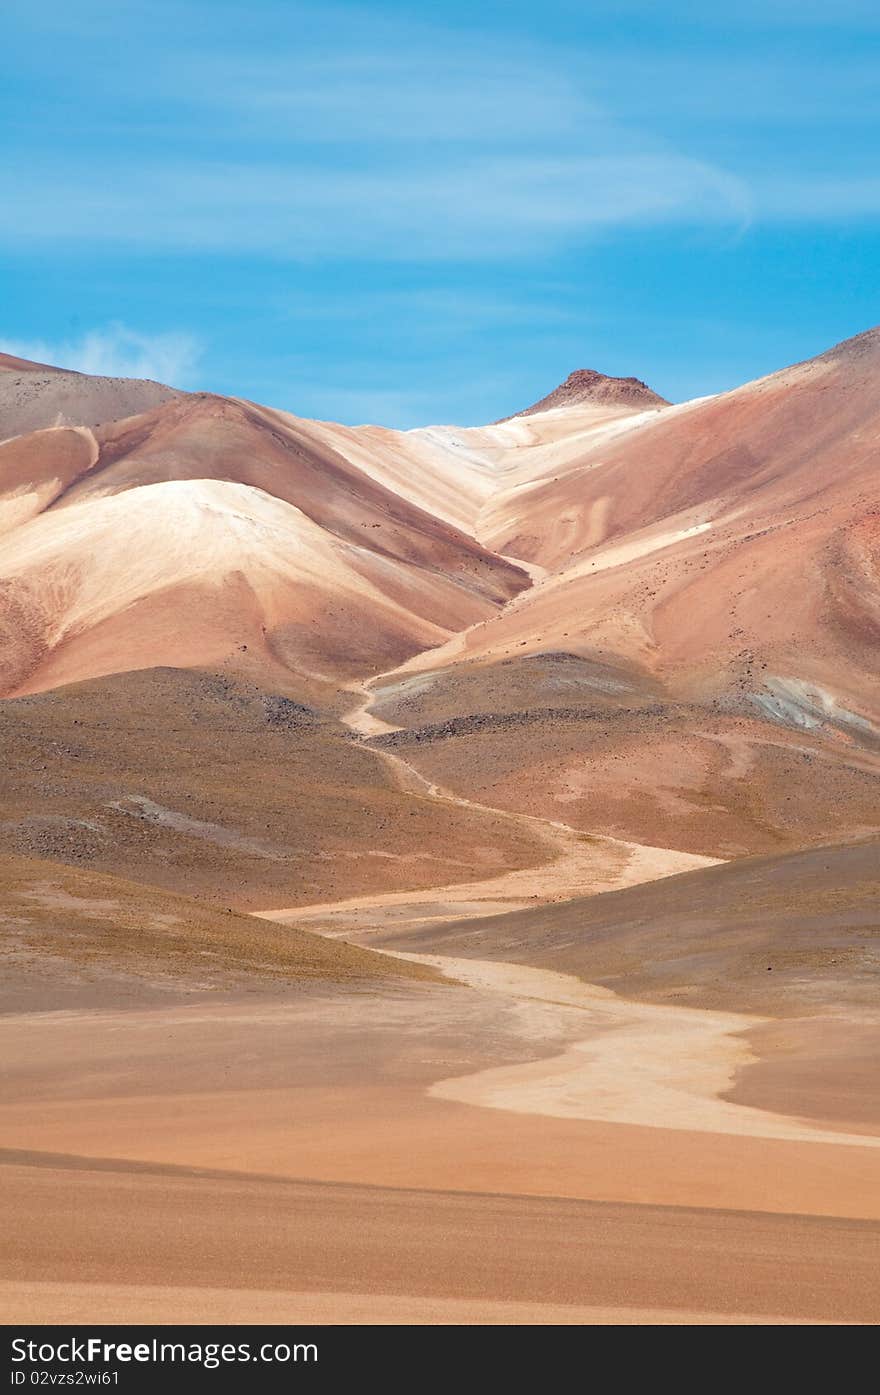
(209, 531)
(700, 644)
(648, 623)
(586, 385)
(35, 395)
(488, 815)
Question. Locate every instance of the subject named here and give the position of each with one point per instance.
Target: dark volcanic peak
(586, 385)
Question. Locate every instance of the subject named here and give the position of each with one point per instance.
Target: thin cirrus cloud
(358, 134)
(403, 144)
(417, 95)
(475, 209)
(117, 351)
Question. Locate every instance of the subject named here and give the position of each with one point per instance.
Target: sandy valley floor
(485, 1141)
(396, 1154)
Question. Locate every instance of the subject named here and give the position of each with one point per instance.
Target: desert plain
(440, 868)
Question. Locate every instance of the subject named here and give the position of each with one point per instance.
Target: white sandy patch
(361, 720)
(18, 506)
(660, 1067)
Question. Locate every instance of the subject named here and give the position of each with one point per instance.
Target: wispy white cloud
(475, 209)
(430, 91)
(333, 130)
(736, 88)
(353, 134)
(117, 351)
(436, 308)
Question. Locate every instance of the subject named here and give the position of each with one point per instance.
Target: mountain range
(440, 867)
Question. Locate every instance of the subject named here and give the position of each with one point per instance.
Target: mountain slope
(35, 395)
(69, 932)
(720, 533)
(721, 560)
(214, 788)
(209, 529)
(477, 477)
(793, 932)
(686, 657)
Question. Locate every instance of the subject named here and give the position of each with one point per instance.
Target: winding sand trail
(359, 718)
(638, 1064)
(577, 863)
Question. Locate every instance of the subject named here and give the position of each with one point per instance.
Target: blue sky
(408, 213)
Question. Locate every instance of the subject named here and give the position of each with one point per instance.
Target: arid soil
(440, 868)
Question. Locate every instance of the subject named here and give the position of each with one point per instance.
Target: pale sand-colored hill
(662, 536)
(473, 476)
(697, 660)
(208, 529)
(197, 572)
